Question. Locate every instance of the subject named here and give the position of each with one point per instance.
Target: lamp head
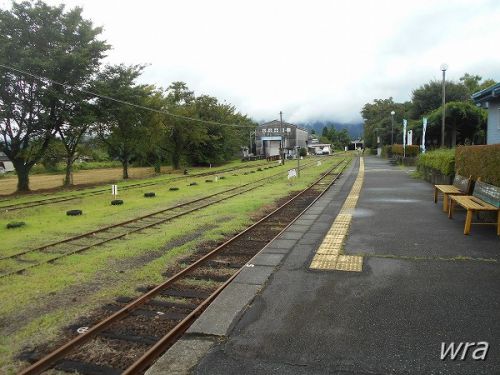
(393, 113)
(444, 67)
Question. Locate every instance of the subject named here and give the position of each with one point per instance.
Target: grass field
(36, 306)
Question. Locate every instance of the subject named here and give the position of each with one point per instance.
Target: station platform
(372, 279)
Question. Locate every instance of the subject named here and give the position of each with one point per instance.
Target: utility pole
(443, 115)
(298, 162)
(282, 152)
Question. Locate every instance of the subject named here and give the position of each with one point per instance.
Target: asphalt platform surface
(423, 283)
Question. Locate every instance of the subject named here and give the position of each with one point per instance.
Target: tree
(71, 132)
(473, 83)
(378, 121)
(464, 122)
(428, 97)
(50, 43)
(122, 126)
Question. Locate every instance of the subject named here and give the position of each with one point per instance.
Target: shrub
(411, 150)
(479, 161)
(442, 160)
(387, 151)
(303, 151)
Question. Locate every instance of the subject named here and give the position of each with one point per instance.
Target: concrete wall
(493, 131)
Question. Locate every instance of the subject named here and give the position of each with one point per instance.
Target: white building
(5, 163)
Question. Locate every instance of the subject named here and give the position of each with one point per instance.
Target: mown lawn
(36, 306)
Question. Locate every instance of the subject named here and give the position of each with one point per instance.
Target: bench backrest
(487, 193)
(462, 183)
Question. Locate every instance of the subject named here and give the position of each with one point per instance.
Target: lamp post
(392, 127)
(444, 67)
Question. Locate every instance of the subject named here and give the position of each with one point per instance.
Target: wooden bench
(461, 186)
(485, 197)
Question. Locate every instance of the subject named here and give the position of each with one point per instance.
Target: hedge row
(442, 160)
(479, 161)
(411, 150)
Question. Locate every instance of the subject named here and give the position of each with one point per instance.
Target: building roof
(487, 94)
(312, 145)
(278, 123)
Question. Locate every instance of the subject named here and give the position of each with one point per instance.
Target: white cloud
(312, 60)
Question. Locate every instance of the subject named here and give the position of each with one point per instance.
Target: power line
(65, 85)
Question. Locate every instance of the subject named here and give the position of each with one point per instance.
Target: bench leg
(468, 221)
(450, 209)
(445, 202)
(435, 194)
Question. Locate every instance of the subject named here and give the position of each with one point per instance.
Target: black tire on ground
(208, 181)
(74, 212)
(193, 184)
(15, 224)
(149, 195)
(259, 169)
(173, 189)
(116, 202)
(222, 178)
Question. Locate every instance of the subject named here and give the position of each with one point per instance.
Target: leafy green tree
(429, 96)
(378, 121)
(473, 83)
(122, 126)
(465, 123)
(50, 43)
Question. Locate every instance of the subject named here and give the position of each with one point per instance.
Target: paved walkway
(422, 282)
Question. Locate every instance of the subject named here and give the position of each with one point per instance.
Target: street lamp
(392, 127)
(444, 67)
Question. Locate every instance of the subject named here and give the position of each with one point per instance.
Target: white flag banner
(404, 137)
(410, 137)
(292, 173)
(319, 163)
(114, 189)
(424, 129)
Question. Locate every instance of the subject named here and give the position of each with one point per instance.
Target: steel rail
(47, 361)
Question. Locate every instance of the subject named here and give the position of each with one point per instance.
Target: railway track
(45, 201)
(54, 251)
(126, 340)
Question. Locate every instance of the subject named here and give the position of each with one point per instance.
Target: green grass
(44, 297)
(16, 199)
(49, 223)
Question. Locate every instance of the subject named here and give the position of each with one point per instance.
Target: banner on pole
(114, 190)
(292, 173)
(410, 137)
(404, 137)
(424, 129)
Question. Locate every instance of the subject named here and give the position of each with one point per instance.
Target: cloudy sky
(314, 60)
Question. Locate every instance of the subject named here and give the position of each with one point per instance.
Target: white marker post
(292, 173)
(114, 190)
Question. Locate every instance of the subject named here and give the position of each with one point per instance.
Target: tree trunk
(23, 178)
(68, 179)
(125, 168)
(158, 166)
(176, 160)
(453, 136)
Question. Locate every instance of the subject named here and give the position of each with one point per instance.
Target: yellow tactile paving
(329, 254)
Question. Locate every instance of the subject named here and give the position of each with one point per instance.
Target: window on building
(276, 130)
(288, 130)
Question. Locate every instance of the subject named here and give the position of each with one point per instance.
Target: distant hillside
(355, 130)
